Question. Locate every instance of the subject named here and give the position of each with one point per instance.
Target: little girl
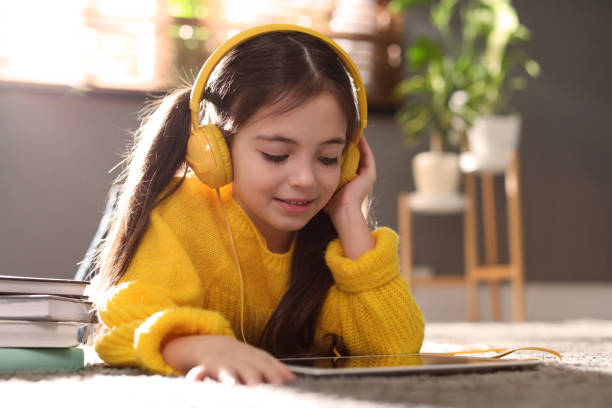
(279, 262)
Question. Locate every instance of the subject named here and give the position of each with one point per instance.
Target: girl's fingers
(250, 375)
(363, 145)
(366, 155)
(274, 371)
(284, 370)
(248, 366)
(274, 375)
(197, 373)
(266, 369)
(228, 376)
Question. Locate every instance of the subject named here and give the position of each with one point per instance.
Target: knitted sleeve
(160, 297)
(370, 305)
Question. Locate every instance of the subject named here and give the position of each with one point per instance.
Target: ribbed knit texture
(182, 280)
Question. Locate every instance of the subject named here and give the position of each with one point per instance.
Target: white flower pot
(436, 176)
(436, 173)
(491, 139)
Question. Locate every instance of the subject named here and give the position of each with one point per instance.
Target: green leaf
(414, 120)
(409, 86)
(517, 83)
(396, 6)
(435, 79)
(532, 68)
(478, 22)
(424, 51)
(441, 14)
(522, 33)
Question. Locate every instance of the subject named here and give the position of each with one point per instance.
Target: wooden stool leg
(515, 232)
(470, 247)
(489, 219)
(404, 216)
(472, 298)
(490, 239)
(494, 295)
(518, 300)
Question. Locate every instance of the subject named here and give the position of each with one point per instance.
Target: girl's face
(287, 166)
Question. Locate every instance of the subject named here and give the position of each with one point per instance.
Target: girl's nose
(302, 176)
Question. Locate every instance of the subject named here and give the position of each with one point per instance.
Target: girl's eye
(274, 158)
(329, 161)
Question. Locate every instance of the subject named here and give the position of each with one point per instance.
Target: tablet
(402, 364)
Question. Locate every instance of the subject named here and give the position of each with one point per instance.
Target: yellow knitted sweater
(183, 280)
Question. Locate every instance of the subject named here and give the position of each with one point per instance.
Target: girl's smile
(295, 205)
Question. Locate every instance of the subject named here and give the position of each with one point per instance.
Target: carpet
(582, 379)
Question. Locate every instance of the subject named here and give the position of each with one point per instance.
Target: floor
(543, 302)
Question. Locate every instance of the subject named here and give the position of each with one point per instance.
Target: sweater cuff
(116, 347)
(374, 268)
(150, 337)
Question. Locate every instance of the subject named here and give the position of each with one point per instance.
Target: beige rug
(582, 379)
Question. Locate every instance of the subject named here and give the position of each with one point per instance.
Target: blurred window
(154, 44)
(100, 43)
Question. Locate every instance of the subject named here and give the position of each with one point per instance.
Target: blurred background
(74, 75)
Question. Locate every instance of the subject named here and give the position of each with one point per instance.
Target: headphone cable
(235, 253)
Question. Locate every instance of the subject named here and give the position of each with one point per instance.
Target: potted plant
(462, 79)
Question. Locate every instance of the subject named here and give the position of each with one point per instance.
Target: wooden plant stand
(490, 272)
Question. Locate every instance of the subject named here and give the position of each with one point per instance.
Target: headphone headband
(212, 61)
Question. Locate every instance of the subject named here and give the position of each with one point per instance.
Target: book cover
(44, 286)
(21, 333)
(12, 359)
(45, 307)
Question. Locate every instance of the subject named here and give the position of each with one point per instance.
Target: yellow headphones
(207, 151)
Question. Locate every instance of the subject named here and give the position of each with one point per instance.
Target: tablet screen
(401, 363)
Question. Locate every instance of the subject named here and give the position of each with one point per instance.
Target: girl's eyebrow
(280, 138)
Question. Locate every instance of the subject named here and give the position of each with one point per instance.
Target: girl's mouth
(294, 205)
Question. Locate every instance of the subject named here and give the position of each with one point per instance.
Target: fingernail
(227, 380)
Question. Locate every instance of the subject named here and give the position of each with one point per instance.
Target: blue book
(48, 359)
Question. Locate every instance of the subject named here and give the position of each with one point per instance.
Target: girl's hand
(352, 195)
(344, 208)
(224, 359)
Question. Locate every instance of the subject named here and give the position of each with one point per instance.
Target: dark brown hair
(286, 69)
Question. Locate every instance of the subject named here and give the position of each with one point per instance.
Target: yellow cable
(452, 353)
(502, 352)
(235, 253)
(545, 350)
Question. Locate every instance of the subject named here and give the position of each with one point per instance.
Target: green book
(12, 359)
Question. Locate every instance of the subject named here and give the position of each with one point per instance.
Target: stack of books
(42, 322)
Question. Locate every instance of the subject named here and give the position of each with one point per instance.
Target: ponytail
(157, 156)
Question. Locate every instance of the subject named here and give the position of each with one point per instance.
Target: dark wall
(56, 151)
(567, 148)
(57, 147)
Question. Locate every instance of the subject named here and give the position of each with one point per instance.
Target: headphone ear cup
(209, 157)
(350, 163)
